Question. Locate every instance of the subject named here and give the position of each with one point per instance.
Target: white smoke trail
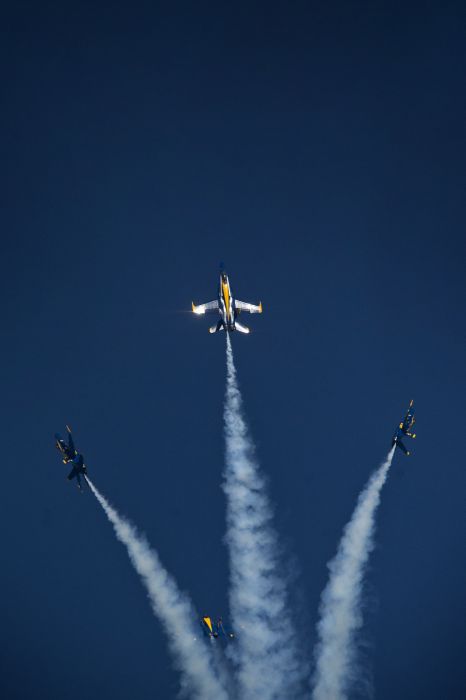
(171, 607)
(268, 666)
(340, 605)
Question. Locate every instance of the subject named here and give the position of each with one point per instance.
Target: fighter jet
(405, 429)
(228, 307)
(71, 456)
(214, 630)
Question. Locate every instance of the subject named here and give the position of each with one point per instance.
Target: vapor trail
(267, 659)
(171, 607)
(340, 605)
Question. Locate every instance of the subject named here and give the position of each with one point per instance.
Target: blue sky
(320, 153)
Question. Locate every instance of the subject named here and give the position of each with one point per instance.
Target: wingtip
(193, 306)
(260, 307)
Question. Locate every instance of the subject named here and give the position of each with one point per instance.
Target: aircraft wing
(246, 306)
(208, 623)
(70, 441)
(202, 308)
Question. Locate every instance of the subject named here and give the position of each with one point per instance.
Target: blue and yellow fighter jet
(405, 428)
(228, 307)
(214, 630)
(71, 456)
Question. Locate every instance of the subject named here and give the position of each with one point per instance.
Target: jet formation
(228, 307)
(405, 429)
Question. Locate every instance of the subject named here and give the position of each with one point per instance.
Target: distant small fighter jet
(214, 630)
(71, 456)
(405, 428)
(228, 307)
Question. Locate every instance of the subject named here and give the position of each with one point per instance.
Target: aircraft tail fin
(241, 328)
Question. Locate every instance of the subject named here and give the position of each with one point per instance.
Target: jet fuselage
(226, 303)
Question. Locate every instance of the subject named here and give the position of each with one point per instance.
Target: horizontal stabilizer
(402, 447)
(240, 328)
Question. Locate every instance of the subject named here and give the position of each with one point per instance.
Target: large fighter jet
(228, 307)
(71, 456)
(404, 428)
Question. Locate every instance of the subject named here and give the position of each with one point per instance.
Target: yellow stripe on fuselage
(226, 296)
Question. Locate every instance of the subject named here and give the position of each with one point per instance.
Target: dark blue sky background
(318, 149)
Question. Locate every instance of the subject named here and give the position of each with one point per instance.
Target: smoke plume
(267, 659)
(171, 607)
(340, 606)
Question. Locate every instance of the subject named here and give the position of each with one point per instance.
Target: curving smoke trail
(171, 607)
(340, 605)
(267, 659)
